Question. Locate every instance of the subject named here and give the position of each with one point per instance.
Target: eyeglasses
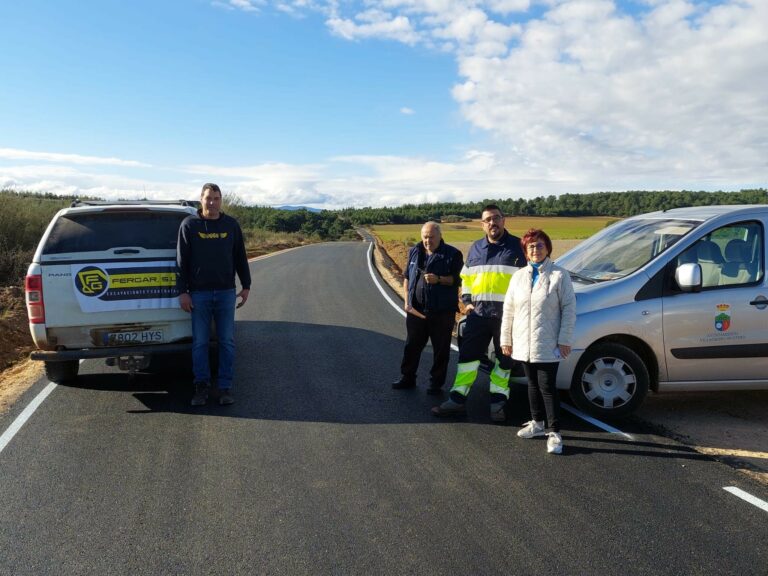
(494, 218)
(538, 246)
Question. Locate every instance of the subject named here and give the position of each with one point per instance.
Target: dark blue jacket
(487, 273)
(445, 261)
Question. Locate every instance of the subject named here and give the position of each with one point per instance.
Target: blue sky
(333, 104)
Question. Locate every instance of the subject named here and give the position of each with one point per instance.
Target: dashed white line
(754, 500)
(25, 415)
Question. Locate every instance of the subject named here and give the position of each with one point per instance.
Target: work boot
(201, 394)
(450, 408)
(403, 383)
(225, 397)
(435, 390)
(497, 412)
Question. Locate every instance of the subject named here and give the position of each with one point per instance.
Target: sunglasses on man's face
(491, 219)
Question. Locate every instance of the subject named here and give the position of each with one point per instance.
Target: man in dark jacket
(431, 302)
(209, 252)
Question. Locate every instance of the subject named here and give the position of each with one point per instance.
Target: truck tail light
(33, 287)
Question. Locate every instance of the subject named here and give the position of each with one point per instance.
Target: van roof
(703, 213)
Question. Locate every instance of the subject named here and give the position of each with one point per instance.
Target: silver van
(669, 301)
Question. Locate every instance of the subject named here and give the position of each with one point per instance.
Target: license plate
(136, 337)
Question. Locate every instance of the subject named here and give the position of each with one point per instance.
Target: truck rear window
(99, 231)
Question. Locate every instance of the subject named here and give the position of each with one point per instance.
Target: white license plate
(137, 337)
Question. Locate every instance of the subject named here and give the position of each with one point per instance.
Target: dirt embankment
(16, 372)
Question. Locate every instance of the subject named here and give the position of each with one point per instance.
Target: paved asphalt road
(321, 468)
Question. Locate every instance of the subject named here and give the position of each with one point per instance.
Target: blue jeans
(219, 306)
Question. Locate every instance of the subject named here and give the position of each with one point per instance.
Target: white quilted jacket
(537, 319)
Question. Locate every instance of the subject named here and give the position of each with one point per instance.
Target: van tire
(610, 381)
(62, 372)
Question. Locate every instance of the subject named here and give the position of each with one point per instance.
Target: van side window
(729, 256)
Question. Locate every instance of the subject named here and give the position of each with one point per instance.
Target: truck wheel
(61, 372)
(610, 381)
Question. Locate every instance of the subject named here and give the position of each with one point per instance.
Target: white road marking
(25, 415)
(755, 501)
(595, 422)
(574, 411)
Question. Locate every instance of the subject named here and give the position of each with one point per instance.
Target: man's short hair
(489, 207)
(210, 186)
(433, 224)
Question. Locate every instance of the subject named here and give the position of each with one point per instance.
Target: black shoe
(434, 391)
(225, 397)
(403, 383)
(450, 408)
(201, 394)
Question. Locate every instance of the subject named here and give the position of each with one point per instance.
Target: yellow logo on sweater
(213, 235)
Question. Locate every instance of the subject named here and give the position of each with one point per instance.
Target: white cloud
(15, 154)
(407, 111)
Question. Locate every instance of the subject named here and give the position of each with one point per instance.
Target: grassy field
(558, 228)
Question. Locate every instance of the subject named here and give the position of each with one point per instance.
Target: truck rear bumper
(113, 352)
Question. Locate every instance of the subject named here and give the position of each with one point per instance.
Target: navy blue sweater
(210, 252)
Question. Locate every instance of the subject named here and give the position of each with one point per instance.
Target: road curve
(321, 468)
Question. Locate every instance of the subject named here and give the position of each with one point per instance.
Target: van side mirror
(688, 277)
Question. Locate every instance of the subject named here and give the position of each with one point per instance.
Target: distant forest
(618, 204)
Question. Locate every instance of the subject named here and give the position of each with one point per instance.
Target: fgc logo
(92, 281)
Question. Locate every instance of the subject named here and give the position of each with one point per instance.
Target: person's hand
(564, 350)
(185, 301)
(430, 278)
(244, 295)
(506, 350)
(468, 308)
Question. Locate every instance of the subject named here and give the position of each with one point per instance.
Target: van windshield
(623, 247)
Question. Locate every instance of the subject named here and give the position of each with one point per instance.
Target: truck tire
(62, 372)
(610, 381)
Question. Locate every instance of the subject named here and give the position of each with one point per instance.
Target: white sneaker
(554, 443)
(531, 429)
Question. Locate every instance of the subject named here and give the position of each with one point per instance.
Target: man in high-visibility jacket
(485, 277)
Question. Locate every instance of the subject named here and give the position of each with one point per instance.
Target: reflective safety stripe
(466, 372)
(486, 283)
(499, 380)
(489, 297)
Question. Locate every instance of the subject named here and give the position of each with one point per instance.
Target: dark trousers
(437, 328)
(542, 382)
(479, 332)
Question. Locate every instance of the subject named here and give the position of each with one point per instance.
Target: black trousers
(436, 328)
(542, 388)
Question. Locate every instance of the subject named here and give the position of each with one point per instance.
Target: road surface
(321, 468)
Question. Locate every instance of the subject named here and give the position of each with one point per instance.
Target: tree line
(617, 204)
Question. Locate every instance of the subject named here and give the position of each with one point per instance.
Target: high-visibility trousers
(479, 332)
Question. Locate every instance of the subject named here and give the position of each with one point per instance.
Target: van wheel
(610, 381)
(61, 372)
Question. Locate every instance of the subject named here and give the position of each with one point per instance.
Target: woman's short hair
(534, 235)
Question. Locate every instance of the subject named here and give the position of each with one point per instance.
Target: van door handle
(127, 251)
(760, 302)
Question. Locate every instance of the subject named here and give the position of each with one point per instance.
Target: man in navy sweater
(209, 252)
(431, 302)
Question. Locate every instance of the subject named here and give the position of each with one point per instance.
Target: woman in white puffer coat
(537, 330)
